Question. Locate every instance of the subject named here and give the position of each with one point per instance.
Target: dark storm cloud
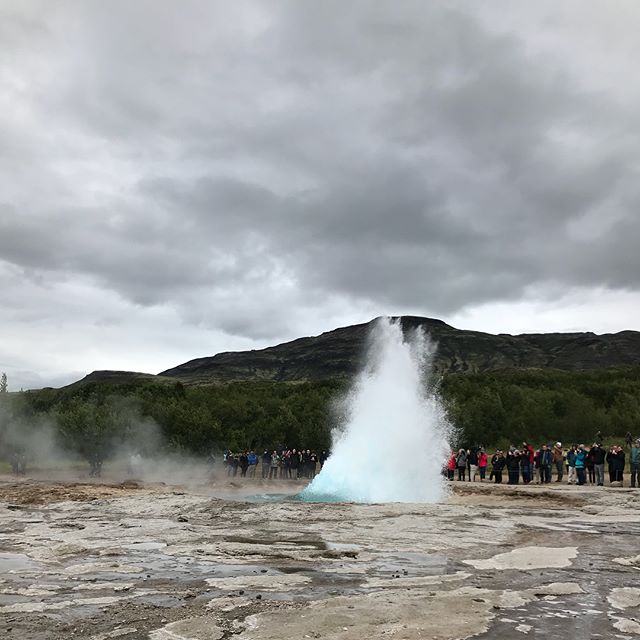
(242, 160)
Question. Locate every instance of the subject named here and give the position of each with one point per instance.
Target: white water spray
(394, 443)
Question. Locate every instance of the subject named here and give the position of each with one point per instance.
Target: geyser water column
(393, 444)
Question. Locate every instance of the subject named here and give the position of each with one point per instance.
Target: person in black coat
(544, 459)
(598, 454)
(266, 463)
(615, 461)
(243, 462)
(497, 463)
(294, 464)
(513, 465)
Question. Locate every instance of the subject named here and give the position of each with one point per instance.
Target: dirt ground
(129, 560)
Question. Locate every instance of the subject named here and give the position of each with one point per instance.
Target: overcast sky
(183, 178)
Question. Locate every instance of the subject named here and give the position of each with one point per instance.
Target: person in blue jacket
(581, 463)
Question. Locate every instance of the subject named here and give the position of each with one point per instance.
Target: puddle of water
(16, 562)
(291, 497)
(145, 546)
(268, 497)
(341, 546)
(231, 570)
(416, 564)
(318, 497)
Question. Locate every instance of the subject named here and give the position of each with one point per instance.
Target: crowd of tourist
(290, 464)
(580, 464)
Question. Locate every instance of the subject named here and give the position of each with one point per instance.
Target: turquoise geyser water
(393, 443)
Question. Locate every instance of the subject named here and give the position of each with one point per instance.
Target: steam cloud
(394, 441)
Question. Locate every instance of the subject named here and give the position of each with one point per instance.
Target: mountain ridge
(340, 353)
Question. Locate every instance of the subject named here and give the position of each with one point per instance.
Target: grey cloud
(401, 155)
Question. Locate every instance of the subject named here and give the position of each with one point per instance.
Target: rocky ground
(100, 561)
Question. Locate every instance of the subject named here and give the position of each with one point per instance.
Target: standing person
(285, 463)
(94, 463)
(294, 464)
(19, 463)
(615, 460)
(472, 463)
(526, 462)
(628, 438)
(274, 465)
(253, 463)
(461, 463)
(451, 466)
(525, 468)
(621, 460)
(635, 464)
(304, 461)
(322, 458)
(497, 465)
(243, 462)
(598, 454)
(513, 465)
(591, 471)
(611, 463)
(544, 464)
(537, 472)
(225, 460)
(571, 464)
(581, 462)
(483, 460)
(266, 464)
(558, 460)
(313, 464)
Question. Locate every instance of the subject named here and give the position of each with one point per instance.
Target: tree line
(543, 405)
(493, 408)
(147, 416)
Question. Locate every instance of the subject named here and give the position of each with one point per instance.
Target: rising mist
(393, 443)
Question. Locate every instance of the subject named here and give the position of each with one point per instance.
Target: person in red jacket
(451, 465)
(483, 460)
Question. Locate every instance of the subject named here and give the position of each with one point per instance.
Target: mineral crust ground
(102, 560)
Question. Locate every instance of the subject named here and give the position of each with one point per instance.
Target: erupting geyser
(393, 444)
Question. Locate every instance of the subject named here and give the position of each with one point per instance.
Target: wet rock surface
(152, 561)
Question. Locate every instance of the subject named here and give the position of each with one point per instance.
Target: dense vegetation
(158, 415)
(501, 407)
(495, 407)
